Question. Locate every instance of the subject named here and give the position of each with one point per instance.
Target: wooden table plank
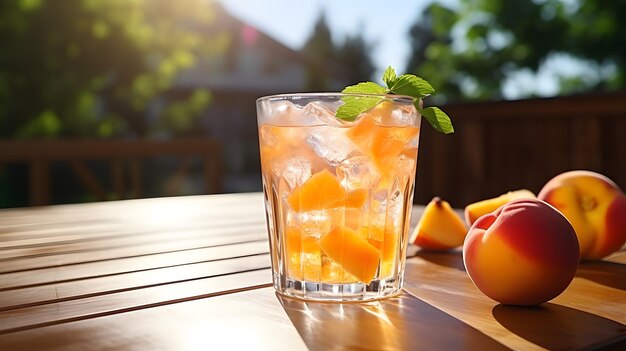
(119, 251)
(111, 284)
(243, 321)
(171, 212)
(106, 230)
(130, 240)
(66, 273)
(149, 297)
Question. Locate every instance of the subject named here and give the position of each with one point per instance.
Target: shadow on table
(606, 273)
(58, 338)
(451, 259)
(397, 323)
(557, 327)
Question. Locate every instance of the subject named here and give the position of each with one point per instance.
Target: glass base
(350, 292)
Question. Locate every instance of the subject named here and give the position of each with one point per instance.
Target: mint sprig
(406, 84)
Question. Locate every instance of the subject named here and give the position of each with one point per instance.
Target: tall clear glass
(338, 193)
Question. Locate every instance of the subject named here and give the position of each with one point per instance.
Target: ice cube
(283, 113)
(403, 115)
(331, 144)
(321, 113)
(357, 172)
(311, 224)
(395, 204)
(414, 143)
(404, 165)
(294, 170)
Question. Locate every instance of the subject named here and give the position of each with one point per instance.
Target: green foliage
(470, 51)
(179, 116)
(90, 68)
(349, 60)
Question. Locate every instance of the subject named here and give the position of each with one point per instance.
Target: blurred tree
(354, 55)
(91, 68)
(318, 48)
(470, 51)
(431, 56)
(351, 58)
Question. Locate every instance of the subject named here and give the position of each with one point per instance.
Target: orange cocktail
(338, 194)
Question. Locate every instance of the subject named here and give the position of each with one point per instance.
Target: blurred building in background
(252, 65)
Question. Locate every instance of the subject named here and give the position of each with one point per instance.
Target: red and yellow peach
(524, 253)
(596, 208)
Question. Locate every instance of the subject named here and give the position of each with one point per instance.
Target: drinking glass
(338, 193)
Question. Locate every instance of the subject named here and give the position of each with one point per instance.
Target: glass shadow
(403, 322)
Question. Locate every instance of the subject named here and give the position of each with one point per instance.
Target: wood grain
(188, 273)
(111, 284)
(584, 316)
(103, 268)
(120, 302)
(251, 320)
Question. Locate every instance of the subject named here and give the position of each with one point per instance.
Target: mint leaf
(408, 84)
(438, 119)
(365, 88)
(389, 77)
(355, 105)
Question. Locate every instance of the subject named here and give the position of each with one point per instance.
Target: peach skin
(596, 208)
(524, 253)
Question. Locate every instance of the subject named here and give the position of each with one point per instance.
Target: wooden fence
(125, 176)
(509, 145)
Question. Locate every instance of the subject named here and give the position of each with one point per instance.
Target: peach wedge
(439, 228)
(475, 210)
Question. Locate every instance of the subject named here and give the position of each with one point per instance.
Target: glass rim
(292, 96)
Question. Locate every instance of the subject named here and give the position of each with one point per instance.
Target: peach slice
(323, 191)
(386, 241)
(303, 254)
(439, 228)
(347, 248)
(349, 217)
(477, 209)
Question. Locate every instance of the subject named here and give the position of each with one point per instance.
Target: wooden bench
(124, 158)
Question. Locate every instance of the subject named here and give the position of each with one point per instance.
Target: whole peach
(596, 208)
(524, 253)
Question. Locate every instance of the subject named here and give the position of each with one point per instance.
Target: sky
(291, 23)
(385, 24)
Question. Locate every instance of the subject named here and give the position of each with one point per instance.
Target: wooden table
(194, 273)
